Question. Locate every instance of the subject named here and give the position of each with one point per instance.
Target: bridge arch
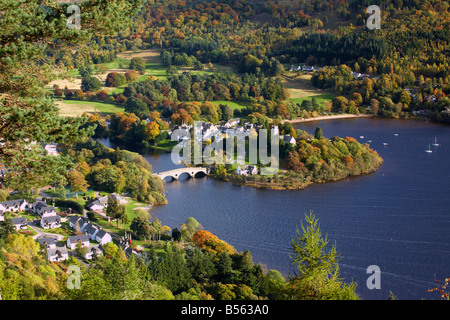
(195, 172)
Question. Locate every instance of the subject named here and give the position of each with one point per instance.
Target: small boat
(385, 144)
(428, 150)
(361, 137)
(369, 141)
(435, 142)
(396, 134)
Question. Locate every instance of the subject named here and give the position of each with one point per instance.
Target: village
(206, 132)
(63, 234)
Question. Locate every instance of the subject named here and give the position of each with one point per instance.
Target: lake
(397, 218)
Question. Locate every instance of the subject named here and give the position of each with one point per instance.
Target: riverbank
(330, 117)
(287, 181)
(265, 182)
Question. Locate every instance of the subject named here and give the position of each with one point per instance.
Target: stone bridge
(175, 174)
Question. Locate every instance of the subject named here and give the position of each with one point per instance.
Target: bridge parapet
(175, 173)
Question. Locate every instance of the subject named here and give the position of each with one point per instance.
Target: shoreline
(287, 185)
(331, 117)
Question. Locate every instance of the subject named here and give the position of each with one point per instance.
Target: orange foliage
(348, 160)
(209, 242)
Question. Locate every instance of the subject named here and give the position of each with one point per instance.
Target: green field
(320, 98)
(232, 104)
(75, 108)
(165, 145)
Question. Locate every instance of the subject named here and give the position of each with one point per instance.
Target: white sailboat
(435, 142)
(428, 150)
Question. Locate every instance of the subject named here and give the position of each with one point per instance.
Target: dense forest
(115, 171)
(405, 64)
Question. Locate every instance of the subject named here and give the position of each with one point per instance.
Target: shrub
(75, 206)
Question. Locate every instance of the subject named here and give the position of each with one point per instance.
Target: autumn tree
(77, 181)
(115, 79)
(152, 130)
(209, 242)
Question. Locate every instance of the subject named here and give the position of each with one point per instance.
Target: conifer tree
(31, 29)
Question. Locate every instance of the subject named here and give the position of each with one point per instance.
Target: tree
(115, 79)
(317, 274)
(318, 133)
(136, 106)
(6, 228)
(81, 250)
(227, 112)
(171, 70)
(152, 130)
(4, 194)
(26, 67)
(138, 64)
(166, 58)
(109, 178)
(115, 210)
(209, 242)
(91, 84)
(131, 76)
(77, 181)
(189, 228)
(140, 227)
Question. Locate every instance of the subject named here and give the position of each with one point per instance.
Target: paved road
(42, 234)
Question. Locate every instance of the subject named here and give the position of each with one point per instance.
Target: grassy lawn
(232, 104)
(75, 108)
(154, 69)
(29, 231)
(116, 63)
(64, 231)
(320, 98)
(132, 204)
(165, 145)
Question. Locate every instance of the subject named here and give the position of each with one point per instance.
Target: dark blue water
(397, 218)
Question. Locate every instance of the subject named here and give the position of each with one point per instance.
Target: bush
(89, 83)
(115, 79)
(75, 206)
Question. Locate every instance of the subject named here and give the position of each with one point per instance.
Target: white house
(431, 99)
(2, 216)
(248, 170)
(47, 212)
(14, 205)
(96, 206)
(20, 223)
(232, 122)
(57, 254)
(103, 237)
(51, 222)
(76, 221)
(90, 230)
(50, 243)
(51, 149)
(101, 203)
(37, 206)
(288, 139)
(93, 251)
(74, 240)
